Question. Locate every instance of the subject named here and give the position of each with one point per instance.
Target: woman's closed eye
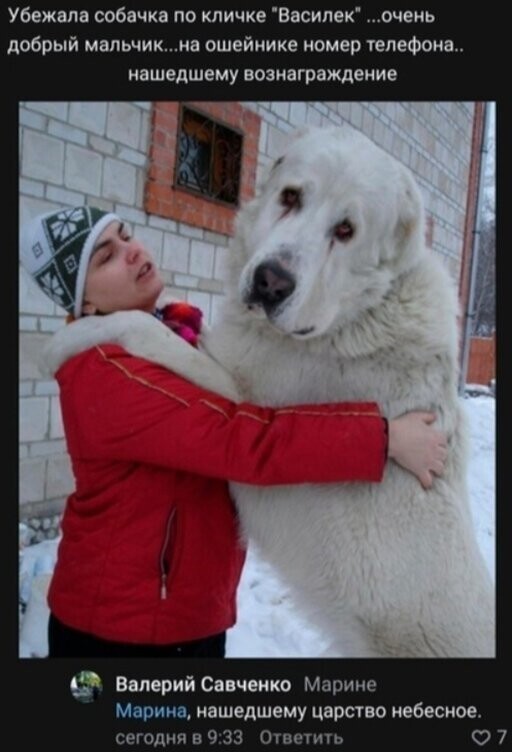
(105, 256)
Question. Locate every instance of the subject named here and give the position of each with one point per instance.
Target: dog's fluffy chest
(399, 354)
(289, 374)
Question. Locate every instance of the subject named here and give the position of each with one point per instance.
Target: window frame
(161, 198)
(216, 122)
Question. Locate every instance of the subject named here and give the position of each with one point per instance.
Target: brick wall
(165, 199)
(482, 360)
(97, 153)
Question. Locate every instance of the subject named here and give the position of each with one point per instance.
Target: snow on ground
(481, 480)
(268, 623)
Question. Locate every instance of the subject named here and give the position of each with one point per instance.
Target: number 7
(502, 734)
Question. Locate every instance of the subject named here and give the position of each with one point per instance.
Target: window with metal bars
(210, 157)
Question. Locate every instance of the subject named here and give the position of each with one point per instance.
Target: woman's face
(121, 275)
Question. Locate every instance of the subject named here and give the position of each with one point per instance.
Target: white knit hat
(55, 249)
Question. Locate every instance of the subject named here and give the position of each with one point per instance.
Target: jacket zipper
(164, 566)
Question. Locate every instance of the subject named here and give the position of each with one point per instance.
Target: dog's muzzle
(271, 285)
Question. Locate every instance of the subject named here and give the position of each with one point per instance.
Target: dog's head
(337, 220)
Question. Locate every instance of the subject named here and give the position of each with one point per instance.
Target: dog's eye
(344, 231)
(290, 198)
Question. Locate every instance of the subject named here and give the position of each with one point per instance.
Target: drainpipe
(474, 218)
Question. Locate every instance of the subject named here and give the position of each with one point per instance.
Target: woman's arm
(118, 407)
(413, 443)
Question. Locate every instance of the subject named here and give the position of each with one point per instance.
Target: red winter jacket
(150, 551)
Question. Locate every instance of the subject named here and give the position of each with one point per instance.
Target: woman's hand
(417, 446)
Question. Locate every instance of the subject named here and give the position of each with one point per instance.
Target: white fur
(140, 334)
(384, 569)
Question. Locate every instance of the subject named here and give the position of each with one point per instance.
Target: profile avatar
(86, 686)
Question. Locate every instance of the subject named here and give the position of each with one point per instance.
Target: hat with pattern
(55, 249)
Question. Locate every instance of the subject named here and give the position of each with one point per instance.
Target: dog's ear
(302, 131)
(276, 164)
(299, 133)
(409, 230)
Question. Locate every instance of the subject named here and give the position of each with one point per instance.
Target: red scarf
(182, 318)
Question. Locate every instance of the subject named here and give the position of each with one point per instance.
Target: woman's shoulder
(85, 362)
(83, 334)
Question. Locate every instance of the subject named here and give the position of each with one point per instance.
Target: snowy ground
(268, 624)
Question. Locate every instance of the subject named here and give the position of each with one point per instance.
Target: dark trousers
(65, 642)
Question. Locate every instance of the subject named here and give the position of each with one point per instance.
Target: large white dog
(334, 297)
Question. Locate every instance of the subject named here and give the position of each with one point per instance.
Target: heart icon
(481, 736)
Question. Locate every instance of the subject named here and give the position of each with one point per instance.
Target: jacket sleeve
(119, 407)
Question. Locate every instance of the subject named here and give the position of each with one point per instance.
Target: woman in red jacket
(150, 556)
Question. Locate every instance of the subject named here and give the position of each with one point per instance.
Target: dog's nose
(271, 285)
